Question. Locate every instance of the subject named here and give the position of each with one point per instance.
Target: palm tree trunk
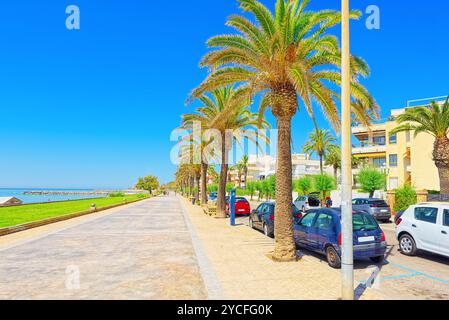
(246, 177)
(221, 197)
(204, 167)
(441, 158)
(285, 249)
(321, 164)
(197, 189)
(336, 174)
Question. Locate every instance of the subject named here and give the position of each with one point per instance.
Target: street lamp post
(347, 265)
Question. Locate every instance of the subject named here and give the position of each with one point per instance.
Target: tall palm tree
(225, 110)
(433, 120)
(244, 167)
(333, 159)
(285, 56)
(319, 142)
(191, 143)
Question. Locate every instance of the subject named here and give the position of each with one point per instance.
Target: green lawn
(13, 216)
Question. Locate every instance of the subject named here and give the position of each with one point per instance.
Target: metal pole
(347, 266)
(232, 207)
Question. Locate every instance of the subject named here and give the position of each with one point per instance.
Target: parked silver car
(378, 208)
(305, 203)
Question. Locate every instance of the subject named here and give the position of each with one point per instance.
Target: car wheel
(407, 245)
(250, 223)
(378, 259)
(333, 259)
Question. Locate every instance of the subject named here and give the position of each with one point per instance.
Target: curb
(213, 287)
(40, 223)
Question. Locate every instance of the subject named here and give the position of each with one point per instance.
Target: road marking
(418, 273)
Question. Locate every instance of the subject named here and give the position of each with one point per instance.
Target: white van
(424, 227)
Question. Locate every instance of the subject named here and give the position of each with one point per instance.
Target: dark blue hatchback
(320, 231)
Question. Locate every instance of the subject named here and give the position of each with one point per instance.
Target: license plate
(366, 239)
(241, 210)
(383, 210)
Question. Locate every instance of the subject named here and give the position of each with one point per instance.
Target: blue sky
(95, 107)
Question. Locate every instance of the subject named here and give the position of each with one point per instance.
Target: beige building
(405, 159)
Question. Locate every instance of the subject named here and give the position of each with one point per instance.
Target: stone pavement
(238, 256)
(140, 251)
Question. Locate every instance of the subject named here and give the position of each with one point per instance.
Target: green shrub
(324, 184)
(212, 188)
(251, 188)
(371, 180)
(116, 195)
(405, 197)
(434, 192)
(303, 186)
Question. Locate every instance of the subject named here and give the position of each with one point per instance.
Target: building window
(379, 162)
(393, 139)
(393, 160)
(379, 141)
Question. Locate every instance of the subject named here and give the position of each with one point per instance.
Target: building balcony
(366, 150)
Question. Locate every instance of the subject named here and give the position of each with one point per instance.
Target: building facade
(406, 159)
(262, 167)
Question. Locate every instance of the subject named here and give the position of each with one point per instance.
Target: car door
(444, 235)
(304, 231)
(425, 228)
(256, 214)
(325, 231)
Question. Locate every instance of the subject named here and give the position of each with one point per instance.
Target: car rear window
(241, 200)
(363, 222)
(379, 203)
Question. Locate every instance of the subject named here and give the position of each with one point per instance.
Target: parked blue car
(320, 231)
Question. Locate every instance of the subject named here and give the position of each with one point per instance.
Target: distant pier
(65, 193)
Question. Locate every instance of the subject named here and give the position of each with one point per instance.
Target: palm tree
(284, 56)
(319, 142)
(433, 120)
(333, 159)
(225, 110)
(244, 167)
(189, 144)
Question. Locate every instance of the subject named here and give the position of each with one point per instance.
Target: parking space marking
(418, 273)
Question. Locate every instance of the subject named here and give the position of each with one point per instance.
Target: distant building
(262, 167)
(10, 201)
(407, 160)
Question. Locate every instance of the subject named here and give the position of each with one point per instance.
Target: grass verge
(14, 216)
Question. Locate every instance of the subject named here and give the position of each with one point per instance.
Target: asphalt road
(425, 276)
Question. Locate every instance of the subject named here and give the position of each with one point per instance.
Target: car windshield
(363, 222)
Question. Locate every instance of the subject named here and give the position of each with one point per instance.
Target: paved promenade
(239, 259)
(141, 251)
